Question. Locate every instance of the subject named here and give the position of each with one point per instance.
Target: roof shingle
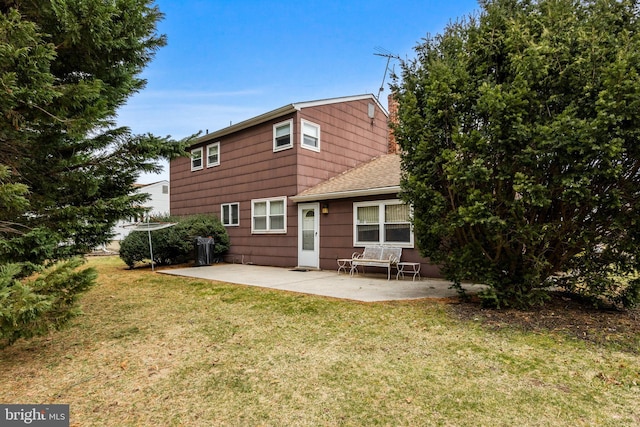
(381, 175)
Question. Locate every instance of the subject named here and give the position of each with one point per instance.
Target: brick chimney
(393, 118)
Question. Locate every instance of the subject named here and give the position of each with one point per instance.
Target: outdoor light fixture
(325, 208)
(371, 112)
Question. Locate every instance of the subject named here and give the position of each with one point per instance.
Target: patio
(362, 287)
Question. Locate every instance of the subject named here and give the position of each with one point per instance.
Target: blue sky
(228, 61)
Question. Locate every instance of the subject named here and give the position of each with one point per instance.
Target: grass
(153, 349)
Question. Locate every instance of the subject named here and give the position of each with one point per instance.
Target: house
(157, 205)
(302, 185)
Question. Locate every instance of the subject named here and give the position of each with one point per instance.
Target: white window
(310, 137)
(213, 154)
(283, 135)
(231, 214)
(269, 215)
(196, 159)
(382, 222)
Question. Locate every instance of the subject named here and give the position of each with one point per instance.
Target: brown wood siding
(336, 237)
(249, 170)
(261, 249)
(348, 138)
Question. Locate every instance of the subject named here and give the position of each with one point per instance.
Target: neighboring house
(302, 185)
(156, 205)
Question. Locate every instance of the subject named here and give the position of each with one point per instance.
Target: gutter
(346, 194)
(287, 109)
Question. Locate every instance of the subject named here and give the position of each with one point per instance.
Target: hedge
(176, 244)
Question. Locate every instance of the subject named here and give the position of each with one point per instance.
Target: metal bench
(376, 256)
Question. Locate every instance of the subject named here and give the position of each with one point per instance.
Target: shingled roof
(381, 175)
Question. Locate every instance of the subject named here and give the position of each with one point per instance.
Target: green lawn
(158, 350)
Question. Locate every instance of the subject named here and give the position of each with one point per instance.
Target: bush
(43, 302)
(175, 245)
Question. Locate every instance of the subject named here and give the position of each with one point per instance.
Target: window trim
(209, 165)
(193, 151)
(278, 125)
(230, 205)
(268, 201)
(304, 122)
(381, 223)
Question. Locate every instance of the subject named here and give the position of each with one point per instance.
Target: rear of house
(266, 180)
(360, 207)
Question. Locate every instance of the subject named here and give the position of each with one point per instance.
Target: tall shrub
(519, 130)
(66, 171)
(176, 244)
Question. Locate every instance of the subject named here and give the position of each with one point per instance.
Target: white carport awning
(150, 226)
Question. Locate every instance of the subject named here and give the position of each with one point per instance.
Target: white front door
(308, 235)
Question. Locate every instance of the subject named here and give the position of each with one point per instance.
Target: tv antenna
(384, 53)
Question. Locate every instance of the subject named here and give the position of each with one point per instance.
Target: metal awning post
(151, 250)
(149, 227)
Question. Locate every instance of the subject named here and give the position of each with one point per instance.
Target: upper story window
(269, 215)
(196, 159)
(382, 222)
(231, 214)
(283, 135)
(213, 154)
(310, 137)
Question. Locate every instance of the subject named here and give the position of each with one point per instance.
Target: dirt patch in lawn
(565, 315)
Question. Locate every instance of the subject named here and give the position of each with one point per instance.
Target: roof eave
(287, 109)
(328, 101)
(350, 194)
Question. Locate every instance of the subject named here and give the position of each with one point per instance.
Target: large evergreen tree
(520, 130)
(66, 171)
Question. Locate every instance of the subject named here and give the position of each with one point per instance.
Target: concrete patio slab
(367, 288)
